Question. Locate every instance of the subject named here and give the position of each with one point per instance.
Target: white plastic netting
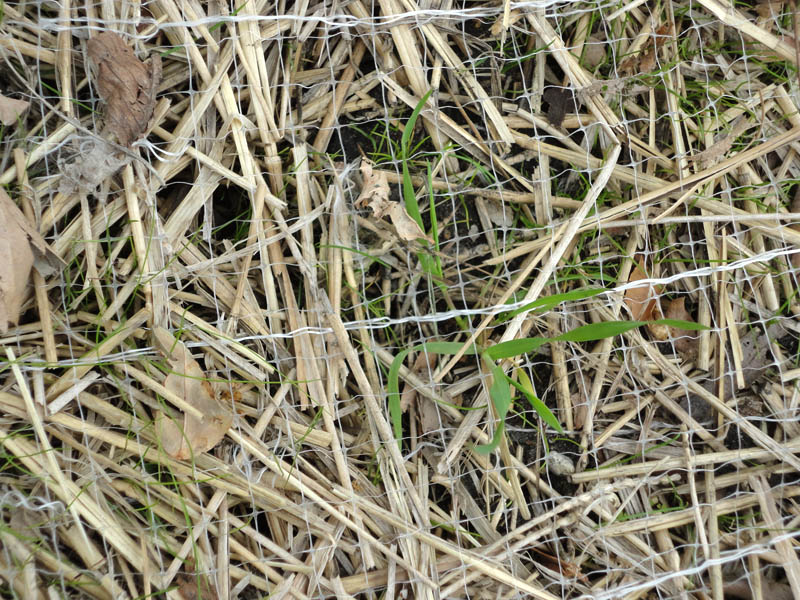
(494, 193)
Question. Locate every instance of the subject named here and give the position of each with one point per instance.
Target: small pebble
(559, 464)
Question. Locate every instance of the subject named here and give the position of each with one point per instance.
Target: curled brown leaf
(686, 342)
(11, 109)
(375, 194)
(16, 260)
(374, 189)
(21, 248)
(188, 381)
(642, 300)
(407, 228)
(127, 85)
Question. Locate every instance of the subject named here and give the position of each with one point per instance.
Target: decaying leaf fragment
(189, 382)
(127, 85)
(16, 260)
(21, 248)
(375, 194)
(686, 342)
(95, 161)
(513, 17)
(407, 228)
(644, 304)
(196, 586)
(645, 60)
(641, 301)
(374, 189)
(560, 102)
(11, 109)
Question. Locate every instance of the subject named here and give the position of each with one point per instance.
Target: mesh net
(461, 299)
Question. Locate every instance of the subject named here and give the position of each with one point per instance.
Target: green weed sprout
(500, 390)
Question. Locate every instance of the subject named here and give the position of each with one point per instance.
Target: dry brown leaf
(658, 331)
(498, 214)
(768, 10)
(645, 60)
(559, 102)
(95, 161)
(648, 61)
(45, 260)
(641, 301)
(11, 109)
(21, 248)
(16, 261)
(686, 341)
(375, 194)
(374, 189)
(190, 383)
(127, 85)
(424, 361)
(196, 586)
(497, 26)
(594, 52)
(407, 228)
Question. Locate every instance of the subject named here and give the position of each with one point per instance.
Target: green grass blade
(549, 302)
(515, 347)
(678, 324)
(491, 446)
(585, 333)
(500, 393)
(598, 331)
(410, 198)
(412, 121)
(526, 387)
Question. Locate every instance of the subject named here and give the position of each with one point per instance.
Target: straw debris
(222, 223)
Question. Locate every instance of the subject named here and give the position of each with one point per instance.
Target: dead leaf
(648, 61)
(45, 260)
(685, 341)
(594, 52)
(127, 85)
(190, 383)
(768, 11)
(407, 228)
(196, 586)
(21, 248)
(374, 189)
(658, 331)
(645, 60)
(641, 301)
(95, 162)
(11, 109)
(375, 194)
(498, 214)
(559, 102)
(497, 26)
(16, 260)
